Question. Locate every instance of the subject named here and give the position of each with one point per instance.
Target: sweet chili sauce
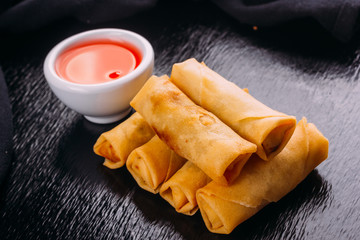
(97, 62)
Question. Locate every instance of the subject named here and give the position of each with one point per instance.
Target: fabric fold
(6, 133)
(339, 17)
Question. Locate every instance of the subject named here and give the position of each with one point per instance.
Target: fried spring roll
(116, 144)
(153, 163)
(180, 189)
(191, 131)
(270, 130)
(262, 182)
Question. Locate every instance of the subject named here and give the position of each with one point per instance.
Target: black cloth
(340, 17)
(5, 130)
(27, 15)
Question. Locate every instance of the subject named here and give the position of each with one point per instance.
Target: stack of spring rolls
(202, 142)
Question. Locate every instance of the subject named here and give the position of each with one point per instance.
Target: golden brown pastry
(191, 131)
(153, 163)
(116, 144)
(270, 130)
(262, 182)
(180, 189)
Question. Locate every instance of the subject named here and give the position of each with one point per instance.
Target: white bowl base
(108, 119)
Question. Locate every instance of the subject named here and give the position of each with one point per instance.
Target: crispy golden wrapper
(270, 130)
(191, 131)
(116, 144)
(262, 182)
(153, 163)
(180, 189)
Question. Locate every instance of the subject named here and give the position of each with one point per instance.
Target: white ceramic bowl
(104, 102)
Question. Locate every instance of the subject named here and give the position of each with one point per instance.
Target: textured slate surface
(58, 189)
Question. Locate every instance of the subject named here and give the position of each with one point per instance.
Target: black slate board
(58, 189)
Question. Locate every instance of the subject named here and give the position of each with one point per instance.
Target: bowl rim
(54, 79)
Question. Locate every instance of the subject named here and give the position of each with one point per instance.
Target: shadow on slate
(273, 221)
(310, 195)
(78, 159)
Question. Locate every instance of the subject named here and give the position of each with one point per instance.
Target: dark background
(57, 187)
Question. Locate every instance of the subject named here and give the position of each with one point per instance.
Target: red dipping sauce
(97, 62)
